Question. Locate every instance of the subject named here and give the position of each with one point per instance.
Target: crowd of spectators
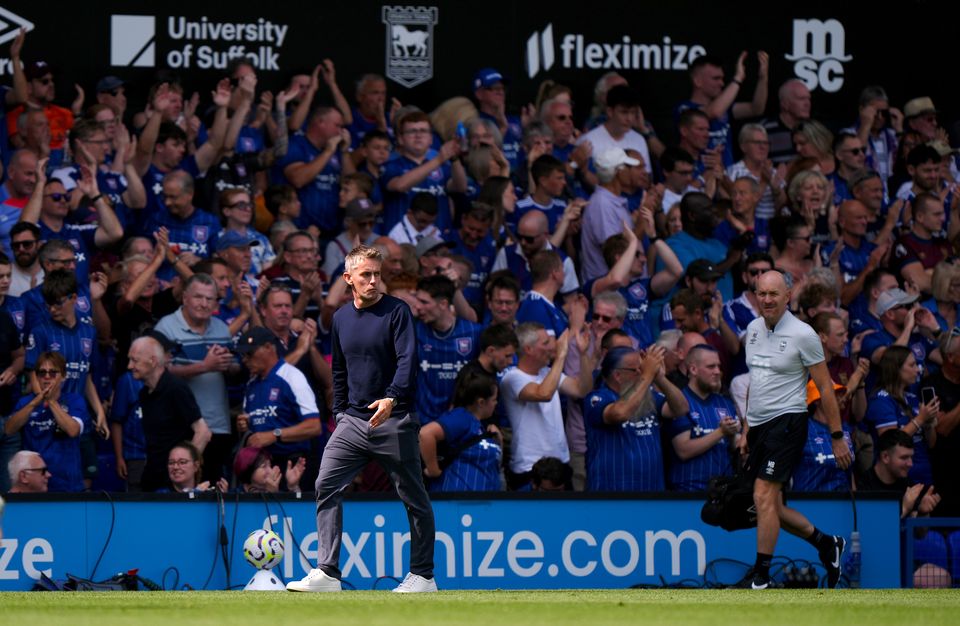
(582, 287)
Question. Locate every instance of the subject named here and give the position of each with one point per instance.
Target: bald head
(687, 342)
(533, 223)
(774, 296)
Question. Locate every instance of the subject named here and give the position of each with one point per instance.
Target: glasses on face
(59, 303)
(44, 373)
(606, 319)
(302, 251)
(42, 470)
(240, 205)
(530, 239)
(57, 197)
(26, 244)
(178, 462)
(70, 261)
(563, 118)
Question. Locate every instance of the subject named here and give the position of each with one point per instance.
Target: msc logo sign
(133, 40)
(819, 53)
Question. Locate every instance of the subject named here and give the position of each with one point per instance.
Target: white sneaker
(316, 581)
(416, 584)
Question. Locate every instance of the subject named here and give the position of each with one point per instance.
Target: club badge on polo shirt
(783, 345)
(753, 338)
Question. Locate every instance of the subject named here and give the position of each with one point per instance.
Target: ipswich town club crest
(409, 32)
(464, 345)
(86, 345)
(200, 233)
(274, 394)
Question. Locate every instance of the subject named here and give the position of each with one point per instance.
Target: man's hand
(329, 72)
(763, 62)
(652, 361)
(729, 426)
(218, 359)
(98, 285)
(449, 150)
(122, 468)
(17, 46)
(221, 94)
(929, 502)
(243, 423)
(383, 408)
(262, 440)
(841, 453)
(740, 72)
(7, 377)
(432, 470)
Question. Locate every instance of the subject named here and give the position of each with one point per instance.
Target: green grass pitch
(489, 608)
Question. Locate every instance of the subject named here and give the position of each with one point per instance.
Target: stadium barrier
(931, 552)
(503, 542)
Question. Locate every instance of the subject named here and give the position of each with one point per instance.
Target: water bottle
(852, 565)
(462, 139)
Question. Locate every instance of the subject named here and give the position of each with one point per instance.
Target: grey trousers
(395, 446)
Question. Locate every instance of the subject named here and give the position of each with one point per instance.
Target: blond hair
(357, 256)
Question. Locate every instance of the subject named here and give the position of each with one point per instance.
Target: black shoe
(832, 560)
(754, 581)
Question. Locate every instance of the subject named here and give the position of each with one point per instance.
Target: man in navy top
(418, 168)
(445, 343)
(474, 241)
(374, 376)
(701, 440)
(623, 425)
(279, 408)
(49, 207)
(191, 230)
(491, 93)
(313, 164)
(719, 102)
(904, 323)
(858, 257)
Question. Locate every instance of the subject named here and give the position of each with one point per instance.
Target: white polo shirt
(779, 362)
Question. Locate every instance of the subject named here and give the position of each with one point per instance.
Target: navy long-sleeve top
(374, 357)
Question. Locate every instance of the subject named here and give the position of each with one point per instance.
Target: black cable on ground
(113, 519)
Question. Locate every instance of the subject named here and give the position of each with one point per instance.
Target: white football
(263, 549)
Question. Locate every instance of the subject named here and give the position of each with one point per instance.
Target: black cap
(253, 339)
(108, 83)
(704, 270)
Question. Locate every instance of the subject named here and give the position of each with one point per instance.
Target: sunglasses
(240, 205)
(531, 239)
(59, 303)
(46, 373)
(597, 317)
(28, 243)
(57, 197)
(42, 470)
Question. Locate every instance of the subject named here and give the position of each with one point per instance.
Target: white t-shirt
(537, 426)
(601, 141)
(779, 362)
